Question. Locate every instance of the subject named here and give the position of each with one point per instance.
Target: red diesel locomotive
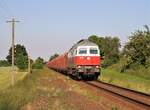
(82, 60)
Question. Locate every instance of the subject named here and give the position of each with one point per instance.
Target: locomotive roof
(83, 42)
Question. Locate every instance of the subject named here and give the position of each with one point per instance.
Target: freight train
(81, 61)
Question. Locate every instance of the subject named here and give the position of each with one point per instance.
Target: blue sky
(50, 26)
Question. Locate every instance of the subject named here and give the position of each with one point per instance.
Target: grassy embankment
(127, 80)
(34, 91)
(10, 95)
(5, 77)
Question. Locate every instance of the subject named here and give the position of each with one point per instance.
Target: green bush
(137, 49)
(120, 66)
(38, 64)
(148, 63)
(22, 62)
(4, 63)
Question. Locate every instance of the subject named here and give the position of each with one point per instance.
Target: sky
(53, 26)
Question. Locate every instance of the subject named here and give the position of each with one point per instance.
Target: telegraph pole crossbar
(13, 21)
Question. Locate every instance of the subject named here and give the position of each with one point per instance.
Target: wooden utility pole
(29, 65)
(13, 44)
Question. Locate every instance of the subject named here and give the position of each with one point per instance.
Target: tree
(21, 56)
(137, 49)
(53, 56)
(19, 49)
(4, 63)
(38, 64)
(109, 49)
(22, 61)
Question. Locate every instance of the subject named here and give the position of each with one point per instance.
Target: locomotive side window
(82, 51)
(76, 52)
(93, 51)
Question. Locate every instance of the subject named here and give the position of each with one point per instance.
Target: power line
(6, 15)
(5, 9)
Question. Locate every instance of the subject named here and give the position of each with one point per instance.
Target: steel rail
(138, 98)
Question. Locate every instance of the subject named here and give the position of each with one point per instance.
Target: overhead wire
(7, 13)
(7, 8)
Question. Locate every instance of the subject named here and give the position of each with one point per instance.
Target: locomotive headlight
(97, 66)
(78, 66)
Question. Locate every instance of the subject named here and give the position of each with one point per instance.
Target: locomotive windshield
(83, 51)
(93, 51)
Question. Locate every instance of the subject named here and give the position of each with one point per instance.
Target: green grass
(13, 98)
(125, 80)
(5, 77)
(140, 72)
(137, 70)
(30, 89)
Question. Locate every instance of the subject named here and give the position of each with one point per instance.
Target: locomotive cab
(87, 61)
(84, 60)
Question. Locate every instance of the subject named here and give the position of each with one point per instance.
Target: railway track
(127, 97)
(137, 100)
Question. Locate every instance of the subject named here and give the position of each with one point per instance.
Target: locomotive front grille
(88, 69)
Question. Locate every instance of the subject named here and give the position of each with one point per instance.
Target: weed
(110, 80)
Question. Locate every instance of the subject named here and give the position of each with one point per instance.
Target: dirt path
(58, 92)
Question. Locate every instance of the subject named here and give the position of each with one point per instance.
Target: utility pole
(29, 65)
(13, 21)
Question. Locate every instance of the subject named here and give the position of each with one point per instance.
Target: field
(21, 93)
(125, 80)
(5, 77)
(48, 90)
